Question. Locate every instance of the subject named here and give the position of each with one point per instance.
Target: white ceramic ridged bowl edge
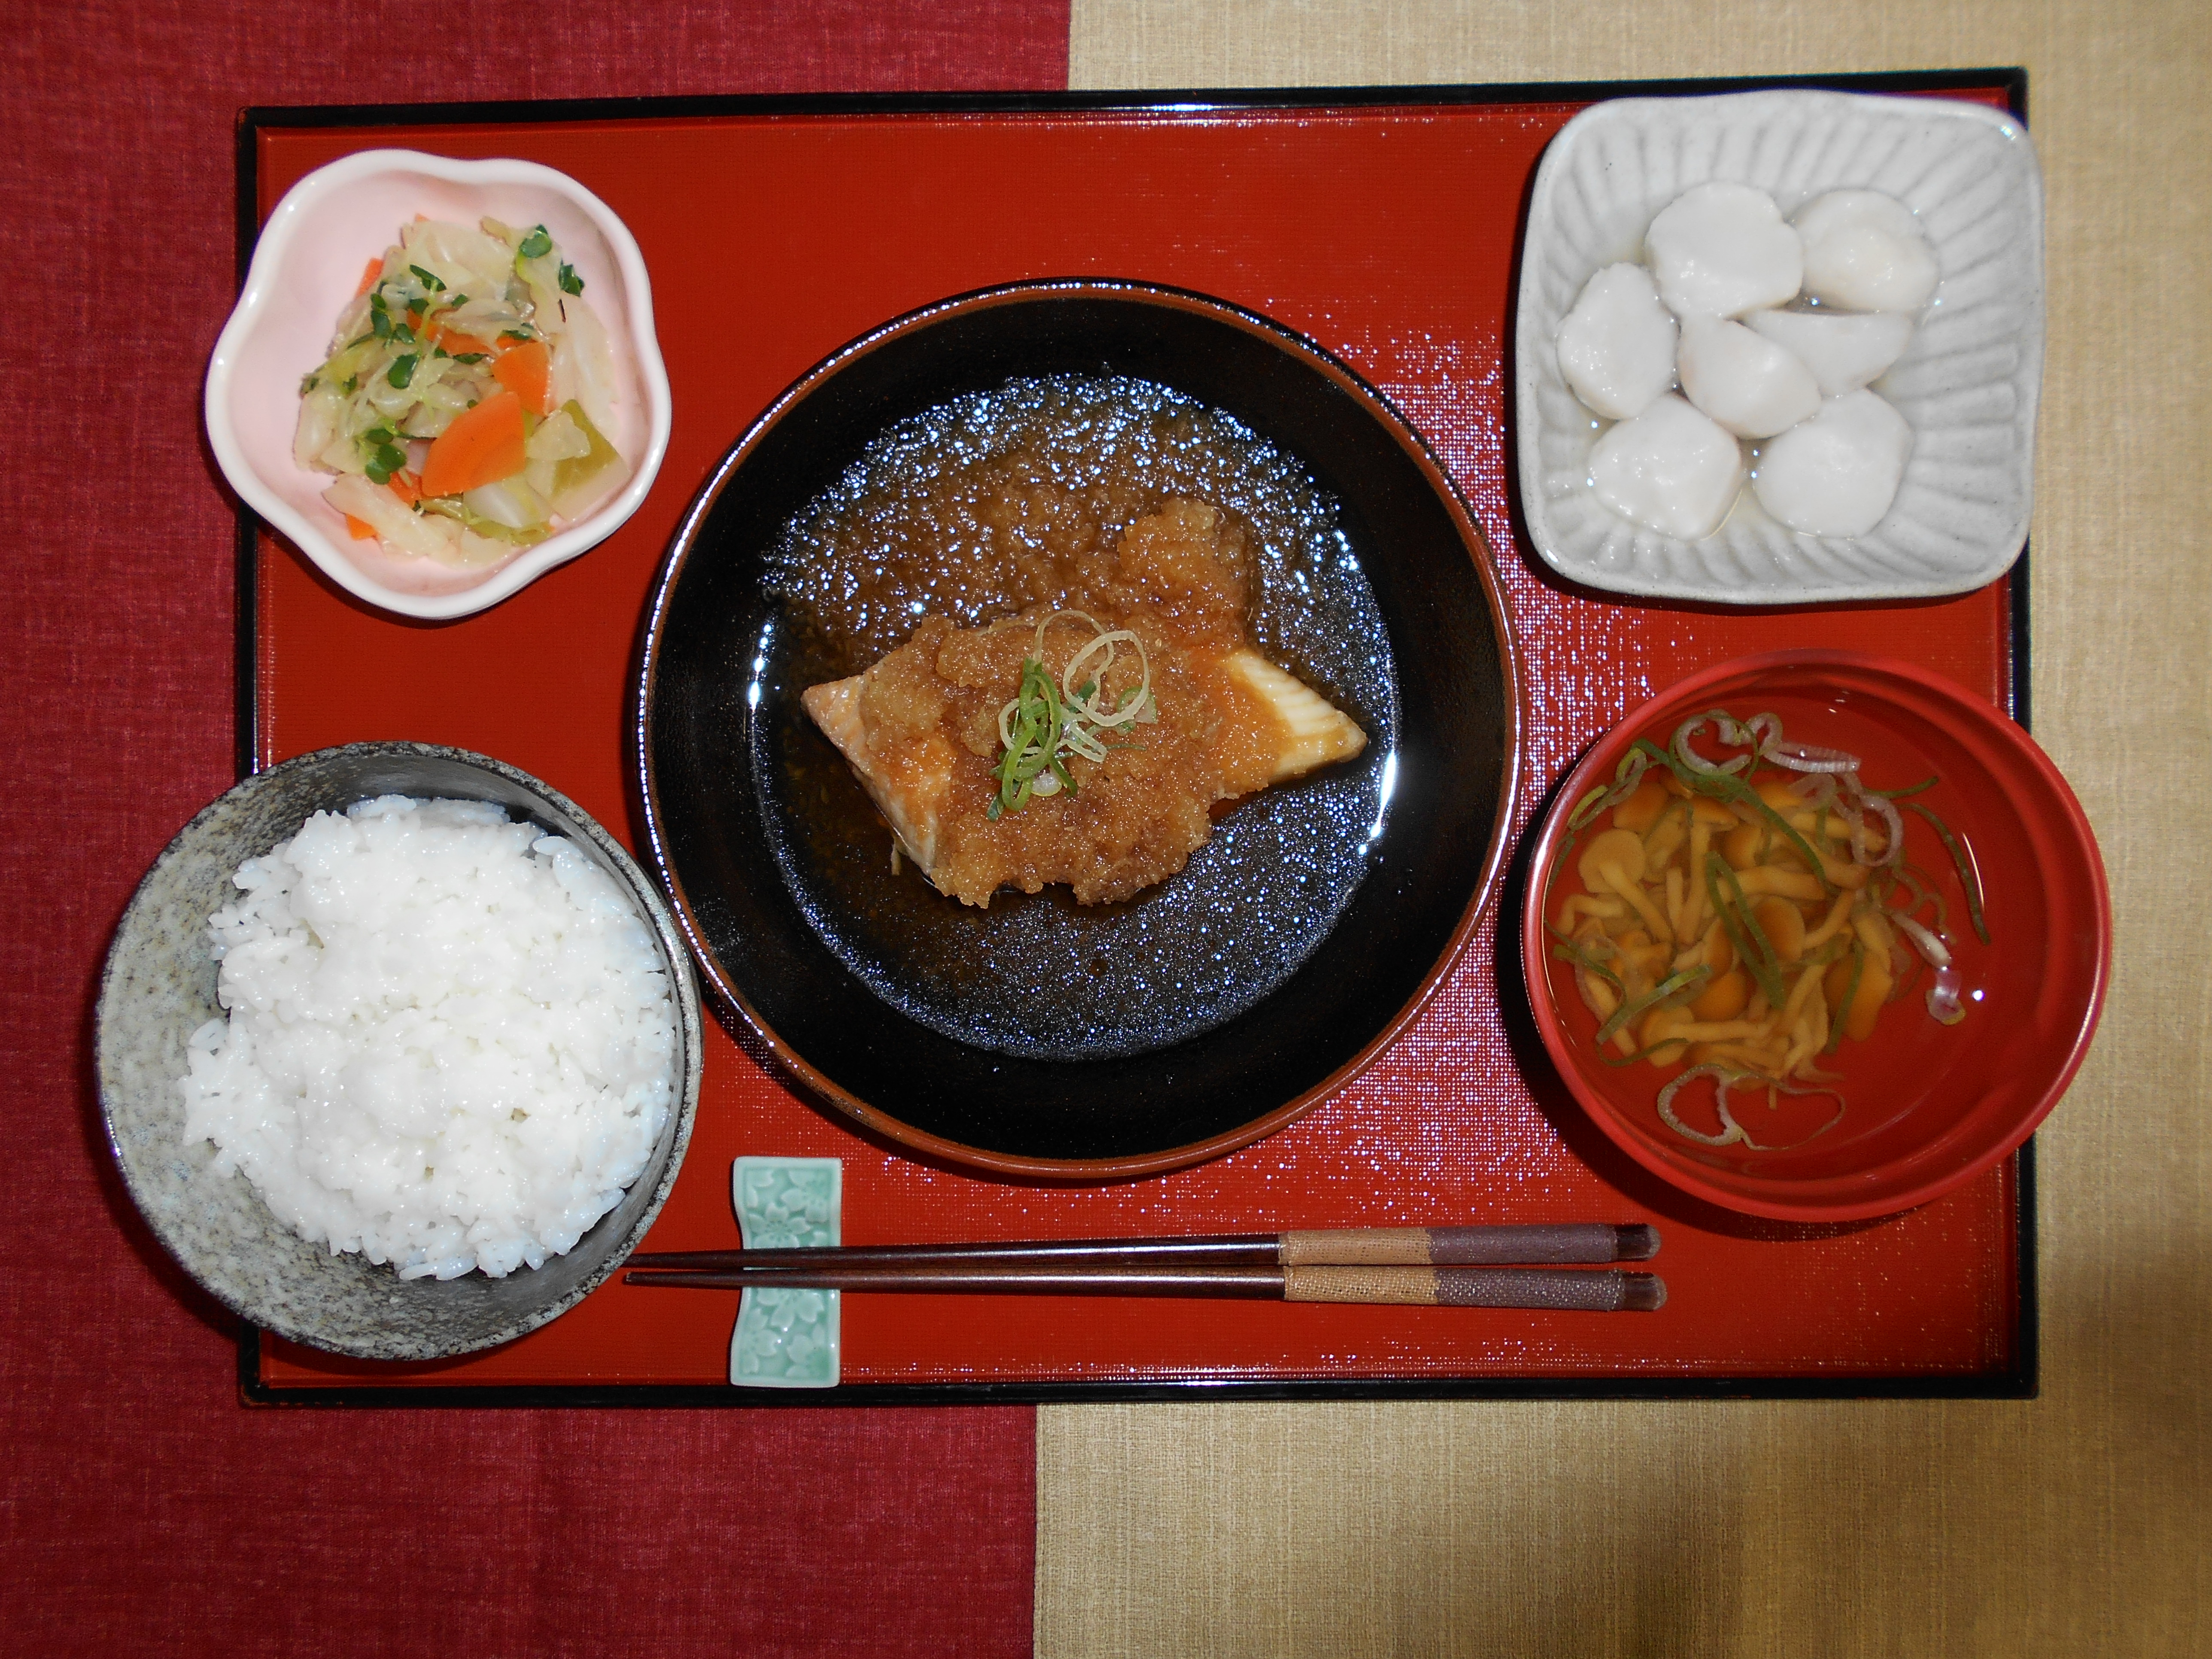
(1968, 383)
(305, 265)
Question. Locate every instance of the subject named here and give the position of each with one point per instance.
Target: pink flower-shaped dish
(305, 267)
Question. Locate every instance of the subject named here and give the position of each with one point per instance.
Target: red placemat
(1386, 231)
(140, 1511)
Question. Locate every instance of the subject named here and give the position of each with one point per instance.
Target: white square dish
(1968, 382)
(304, 266)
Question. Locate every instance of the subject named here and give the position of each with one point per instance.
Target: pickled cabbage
(452, 317)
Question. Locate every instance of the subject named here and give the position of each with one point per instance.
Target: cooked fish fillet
(1315, 731)
(1281, 729)
(911, 797)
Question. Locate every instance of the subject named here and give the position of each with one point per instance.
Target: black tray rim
(2018, 1379)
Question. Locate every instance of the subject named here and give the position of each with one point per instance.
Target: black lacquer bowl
(889, 1001)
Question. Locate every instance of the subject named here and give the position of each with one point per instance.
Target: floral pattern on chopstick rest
(787, 1339)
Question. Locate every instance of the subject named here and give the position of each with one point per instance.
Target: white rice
(451, 1042)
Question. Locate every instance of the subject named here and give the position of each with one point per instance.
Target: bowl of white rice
(398, 1051)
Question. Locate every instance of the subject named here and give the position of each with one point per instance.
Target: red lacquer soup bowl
(1918, 1107)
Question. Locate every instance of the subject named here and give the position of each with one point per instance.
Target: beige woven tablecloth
(2075, 1523)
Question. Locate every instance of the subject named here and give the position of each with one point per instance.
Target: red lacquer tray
(1385, 226)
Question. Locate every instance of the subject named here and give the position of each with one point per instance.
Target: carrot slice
(527, 372)
(432, 333)
(483, 445)
(403, 485)
(368, 275)
(361, 529)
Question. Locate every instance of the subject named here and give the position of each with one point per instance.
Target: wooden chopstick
(1550, 1242)
(1564, 1290)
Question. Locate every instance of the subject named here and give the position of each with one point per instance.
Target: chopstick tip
(1643, 1293)
(1635, 1242)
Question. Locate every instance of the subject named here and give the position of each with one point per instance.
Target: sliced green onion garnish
(1625, 778)
(1726, 787)
(1657, 994)
(1587, 808)
(1031, 742)
(1051, 721)
(1850, 995)
(1968, 876)
(1570, 952)
(1908, 877)
(1752, 948)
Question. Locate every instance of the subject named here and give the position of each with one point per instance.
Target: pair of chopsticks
(1414, 1267)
